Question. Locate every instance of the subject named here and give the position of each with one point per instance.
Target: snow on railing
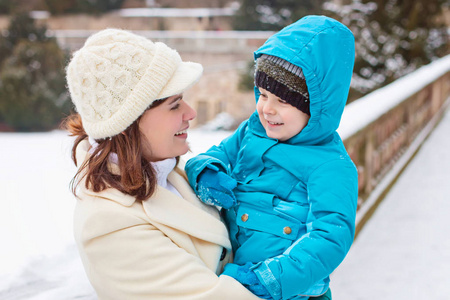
(369, 108)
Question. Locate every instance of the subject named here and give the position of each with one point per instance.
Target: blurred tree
(33, 96)
(57, 7)
(273, 14)
(99, 6)
(269, 15)
(393, 38)
(6, 7)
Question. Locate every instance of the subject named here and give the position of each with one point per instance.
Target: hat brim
(186, 75)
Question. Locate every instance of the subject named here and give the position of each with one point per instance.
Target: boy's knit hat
(117, 75)
(284, 80)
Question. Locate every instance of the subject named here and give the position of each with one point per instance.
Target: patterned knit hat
(284, 80)
(117, 75)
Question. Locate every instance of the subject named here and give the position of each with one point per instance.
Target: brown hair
(136, 176)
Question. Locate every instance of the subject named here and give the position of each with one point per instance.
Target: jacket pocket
(268, 222)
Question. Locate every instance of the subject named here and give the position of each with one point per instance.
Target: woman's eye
(175, 107)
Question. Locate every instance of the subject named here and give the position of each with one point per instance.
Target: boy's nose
(268, 108)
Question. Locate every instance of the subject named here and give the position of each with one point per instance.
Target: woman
(140, 230)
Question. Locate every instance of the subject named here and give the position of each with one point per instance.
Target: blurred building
(199, 30)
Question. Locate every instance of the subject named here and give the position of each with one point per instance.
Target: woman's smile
(165, 128)
(182, 133)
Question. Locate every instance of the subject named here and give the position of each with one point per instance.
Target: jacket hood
(325, 50)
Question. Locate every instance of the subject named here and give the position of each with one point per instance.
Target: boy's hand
(216, 188)
(247, 278)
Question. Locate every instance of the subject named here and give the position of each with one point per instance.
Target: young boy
(285, 181)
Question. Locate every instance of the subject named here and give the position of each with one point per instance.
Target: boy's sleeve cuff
(200, 163)
(267, 279)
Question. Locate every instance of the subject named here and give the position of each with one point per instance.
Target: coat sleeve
(128, 258)
(332, 193)
(223, 156)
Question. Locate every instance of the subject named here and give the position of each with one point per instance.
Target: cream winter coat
(166, 247)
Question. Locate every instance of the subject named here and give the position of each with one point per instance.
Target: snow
(367, 109)
(38, 257)
(222, 121)
(403, 251)
(34, 200)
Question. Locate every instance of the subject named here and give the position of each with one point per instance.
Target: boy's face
(280, 119)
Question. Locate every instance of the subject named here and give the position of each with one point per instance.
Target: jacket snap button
(287, 230)
(244, 217)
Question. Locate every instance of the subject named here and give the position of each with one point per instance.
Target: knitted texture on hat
(117, 75)
(284, 80)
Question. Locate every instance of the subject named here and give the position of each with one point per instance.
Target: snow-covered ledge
(359, 114)
(384, 129)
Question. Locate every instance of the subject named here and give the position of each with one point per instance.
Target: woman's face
(164, 129)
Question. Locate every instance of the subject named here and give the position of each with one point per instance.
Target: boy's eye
(282, 101)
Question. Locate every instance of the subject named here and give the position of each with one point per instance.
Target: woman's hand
(216, 188)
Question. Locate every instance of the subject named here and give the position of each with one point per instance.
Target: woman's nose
(190, 113)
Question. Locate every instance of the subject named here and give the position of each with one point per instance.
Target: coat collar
(186, 213)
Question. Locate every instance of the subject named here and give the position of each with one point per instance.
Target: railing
(383, 130)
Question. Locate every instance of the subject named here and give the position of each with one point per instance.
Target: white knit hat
(116, 75)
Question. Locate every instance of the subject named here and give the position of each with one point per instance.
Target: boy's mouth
(274, 123)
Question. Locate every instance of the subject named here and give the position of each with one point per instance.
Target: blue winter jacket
(297, 199)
